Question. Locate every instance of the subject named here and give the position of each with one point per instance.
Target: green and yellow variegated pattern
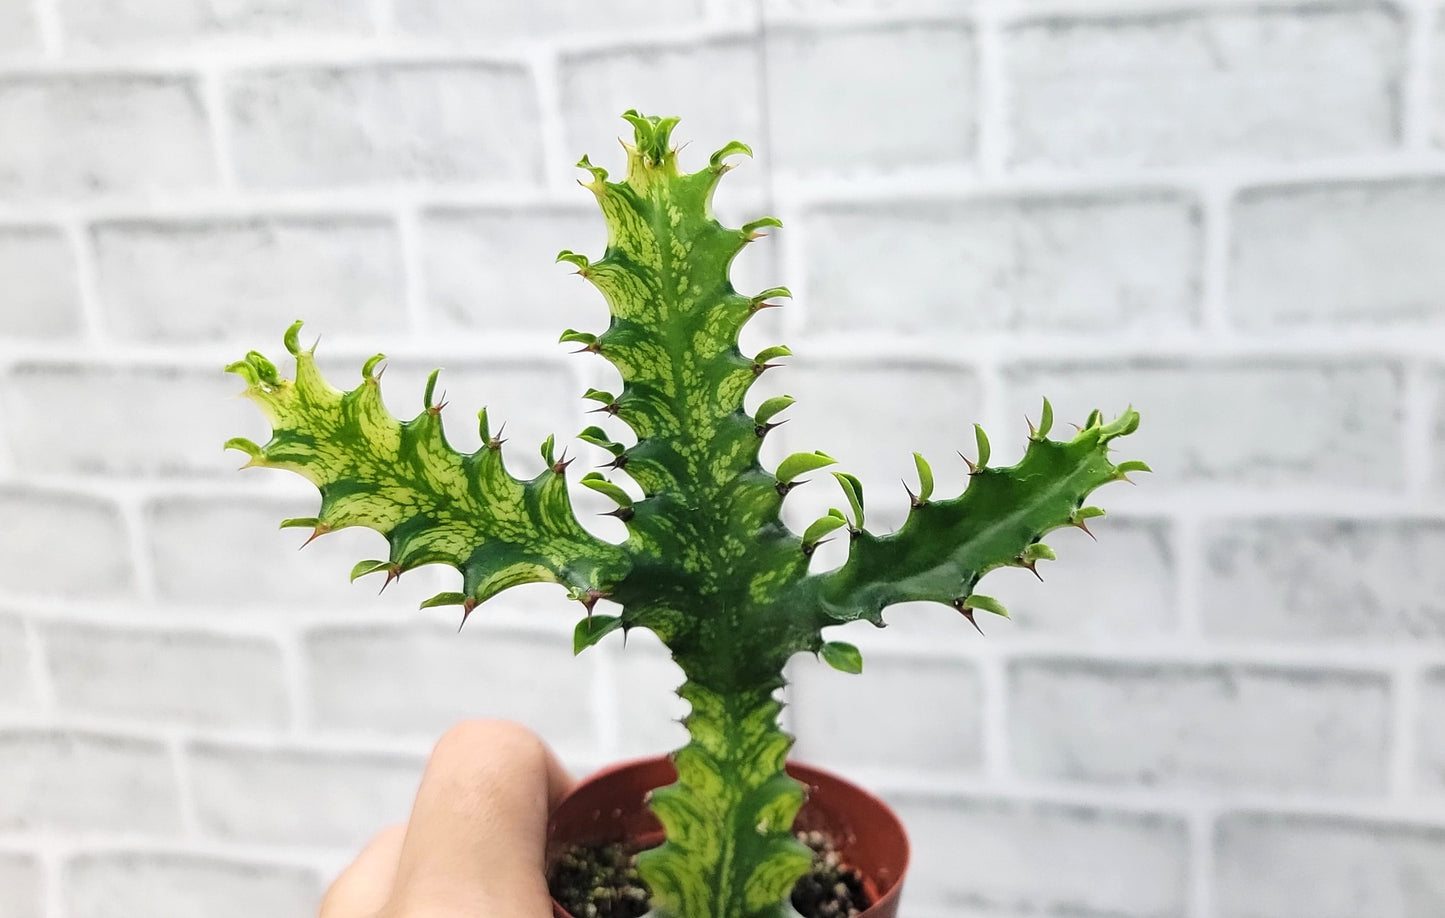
(707, 563)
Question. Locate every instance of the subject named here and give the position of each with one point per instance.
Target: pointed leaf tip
(363, 568)
(244, 445)
(802, 463)
(444, 599)
(592, 629)
(925, 477)
(431, 387)
(772, 353)
(986, 603)
(843, 657)
(599, 483)
(771, 408)
(1123, 425)
(853, 491)
(751, 228)
(984, 450)
(731, 148)
(292, 338)
(821, 527)
(581, 261)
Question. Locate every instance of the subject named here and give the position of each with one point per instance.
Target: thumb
(476, 840)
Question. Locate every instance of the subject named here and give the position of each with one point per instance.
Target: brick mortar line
(412, 254)
(800, 195)
(218, 128)
(558, 172)
(1243, 501)
(383, 18)
(1182, 801)
(1405, 728)
(1418, 91)
(1188, 549)
(993, 675)
(47, 21)
(190, 820)
(991, 137)
(311, 52)
(1199, 884)
(40, 680)
(1417, 422)
(91, 313)
(965, 184)
(299, 690)
(1167, 650)
(1302, 348)
(1216, 210)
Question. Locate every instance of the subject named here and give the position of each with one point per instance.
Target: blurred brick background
(1230, 214)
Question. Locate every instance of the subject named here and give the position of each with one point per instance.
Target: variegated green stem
(730, 850)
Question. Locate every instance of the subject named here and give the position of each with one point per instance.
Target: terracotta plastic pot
(609, 807)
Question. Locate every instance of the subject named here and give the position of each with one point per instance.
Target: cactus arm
(433, 504)
(945, 546)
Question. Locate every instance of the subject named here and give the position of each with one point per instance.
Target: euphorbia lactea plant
(707, 564)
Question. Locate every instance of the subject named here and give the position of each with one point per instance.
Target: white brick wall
(1227, 214)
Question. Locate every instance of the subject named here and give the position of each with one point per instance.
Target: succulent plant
(707, 563)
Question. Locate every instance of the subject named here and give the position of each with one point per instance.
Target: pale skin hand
(473, 847)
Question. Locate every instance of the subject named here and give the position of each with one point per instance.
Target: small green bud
(843, 657)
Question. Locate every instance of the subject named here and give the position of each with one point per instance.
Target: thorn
(967, 613)
(1081, 524)
(1033, 431)
(972, 468)
(392, 573)
(913, 500)
(590, 600)
(783, 487)
(762, 429)
(560, 466)
(320, 530)
(622, 513)
(497, 441)
(1125, 478)
(758, 368)
(467, 606)
(381, 372)
(618, 462)
(436, 410)
(1031, 566)
(759, 307)
(610, 409)
(1076, 427)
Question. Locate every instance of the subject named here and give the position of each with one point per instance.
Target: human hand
(474, 844)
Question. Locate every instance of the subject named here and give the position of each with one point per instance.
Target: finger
(476, 840)
(364, 887)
